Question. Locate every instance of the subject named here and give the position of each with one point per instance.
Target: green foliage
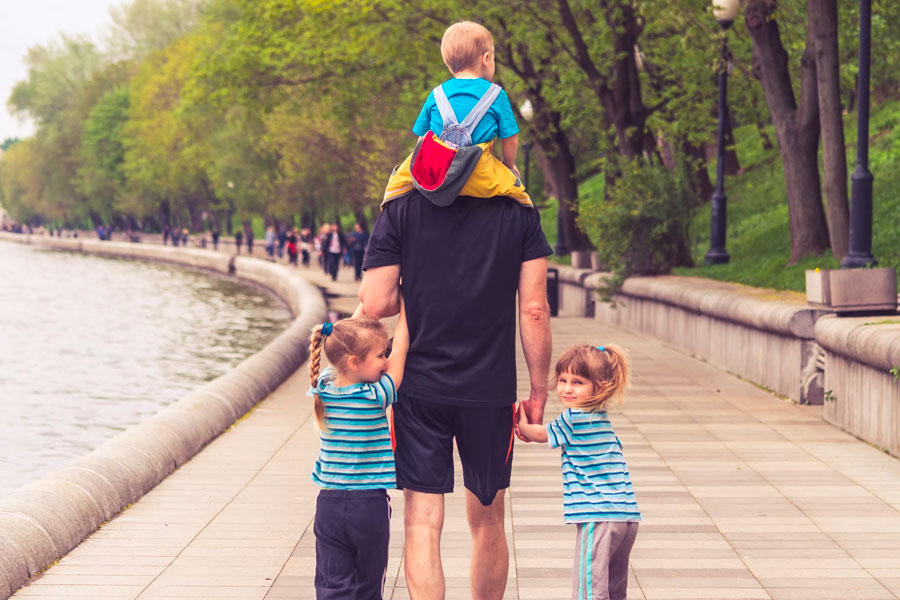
(641, 227)
(758, 238)
(7, 143)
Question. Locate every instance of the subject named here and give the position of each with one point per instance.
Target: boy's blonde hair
(350, 337)
(463, 44)
(606, 367)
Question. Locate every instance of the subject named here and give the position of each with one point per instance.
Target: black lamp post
(860, 251)
(725, 12)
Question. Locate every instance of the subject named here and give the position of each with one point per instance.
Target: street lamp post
(725, 12)
(860, 251)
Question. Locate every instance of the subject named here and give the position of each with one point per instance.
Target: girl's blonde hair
(463, 44)
(350, 337)
(606, 367)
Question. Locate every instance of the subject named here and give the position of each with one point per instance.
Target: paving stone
(745, 497)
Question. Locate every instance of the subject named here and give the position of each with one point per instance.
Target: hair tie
(600, 348)
(327, 327)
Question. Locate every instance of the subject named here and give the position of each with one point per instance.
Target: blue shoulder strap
(475, 115)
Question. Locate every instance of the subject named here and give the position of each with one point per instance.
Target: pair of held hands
(529, 420)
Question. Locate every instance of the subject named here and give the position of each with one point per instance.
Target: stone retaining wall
(773, 339)
(862, 396)
(44, 520)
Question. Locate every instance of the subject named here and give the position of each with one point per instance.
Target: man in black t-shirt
(462, 266)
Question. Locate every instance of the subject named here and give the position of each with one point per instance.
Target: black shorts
(424, 432)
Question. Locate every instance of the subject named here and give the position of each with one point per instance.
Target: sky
(25, 23)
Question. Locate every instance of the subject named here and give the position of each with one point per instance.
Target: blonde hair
(463, 44)
(350, 337)
(607, 369)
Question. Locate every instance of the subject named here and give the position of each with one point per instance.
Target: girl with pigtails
(355, 467)
(598, 497)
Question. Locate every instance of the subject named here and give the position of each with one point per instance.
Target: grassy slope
(758, 237)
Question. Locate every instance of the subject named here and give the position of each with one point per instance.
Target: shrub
(640, 224)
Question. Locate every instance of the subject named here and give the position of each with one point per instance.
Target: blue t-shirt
(463, 95)
(596, 483)
(355, 453)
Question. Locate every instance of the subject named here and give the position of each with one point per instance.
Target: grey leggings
(601, 560)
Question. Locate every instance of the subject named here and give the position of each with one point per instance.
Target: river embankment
(45, 519)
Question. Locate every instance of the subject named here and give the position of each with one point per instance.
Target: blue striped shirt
(596, 483)
(355, 453)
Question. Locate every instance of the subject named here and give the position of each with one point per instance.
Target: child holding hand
(356, 459)
(598, 496)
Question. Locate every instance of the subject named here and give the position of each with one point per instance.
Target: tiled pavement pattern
(744, 496)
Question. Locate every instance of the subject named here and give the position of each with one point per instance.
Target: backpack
(460, 134)
(441, 165)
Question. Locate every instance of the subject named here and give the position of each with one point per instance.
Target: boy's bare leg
(490, 554)
(424, 520)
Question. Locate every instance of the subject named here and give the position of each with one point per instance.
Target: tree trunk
(796, 127)
(558, 163)
(619, 91)
(823, 20)
(165, 213)
(360, 214)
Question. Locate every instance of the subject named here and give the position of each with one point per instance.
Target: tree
(796, 125)
(823, 21)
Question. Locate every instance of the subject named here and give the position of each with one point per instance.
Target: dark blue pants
(352, 528)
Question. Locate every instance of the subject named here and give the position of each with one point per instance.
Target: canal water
(90, 346)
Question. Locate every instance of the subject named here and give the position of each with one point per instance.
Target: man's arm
(534, 327)
(379, 291)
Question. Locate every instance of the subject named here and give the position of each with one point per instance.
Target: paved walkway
(744, 496)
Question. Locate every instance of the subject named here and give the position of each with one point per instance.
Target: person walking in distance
(358, 240)
(270, 242)
(334, 245)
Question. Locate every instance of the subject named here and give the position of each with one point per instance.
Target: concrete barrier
(862, 395)
(45, 519)
(774, 339)
(762, 335)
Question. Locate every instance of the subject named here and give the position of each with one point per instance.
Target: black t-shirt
(460, 269)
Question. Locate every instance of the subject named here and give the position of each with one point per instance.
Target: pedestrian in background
(292, 241)
(306, 243)
(238, 240)
(249, 229)
(282, 240)
(215, 238)
(270, 241)
(358, 241)
(334, 244)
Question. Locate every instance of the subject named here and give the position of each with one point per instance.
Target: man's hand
(532, 410)
(533, 407)
(527, 431)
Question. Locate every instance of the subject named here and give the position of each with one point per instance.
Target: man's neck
(466, 74)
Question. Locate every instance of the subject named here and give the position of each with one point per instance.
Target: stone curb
(44, 520)
(859, 339)
(779, 312)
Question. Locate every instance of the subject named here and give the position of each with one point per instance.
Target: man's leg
(490, 554)
(423, 520)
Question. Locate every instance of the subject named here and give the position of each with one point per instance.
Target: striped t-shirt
(355, 453)
(596, 484)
